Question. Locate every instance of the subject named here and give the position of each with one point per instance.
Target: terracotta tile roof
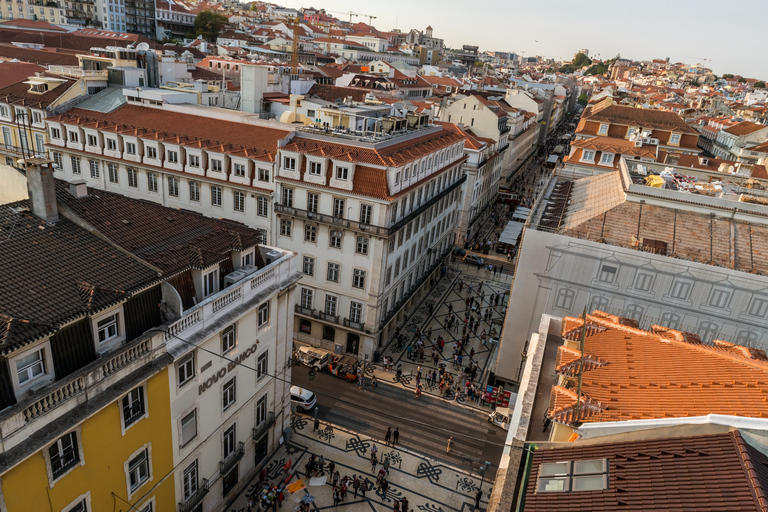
(660, 373)
(618, 146)
(45, 57)
(18, 94)
(54, 273)
(170, 239)
(15, 72)
(32, 25)
(657, 119)
(744, 128)
(253, 141)
(716, 472)
(333, 93)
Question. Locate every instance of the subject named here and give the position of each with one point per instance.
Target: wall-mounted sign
(213, 379)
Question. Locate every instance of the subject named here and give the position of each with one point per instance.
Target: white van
(303, 398)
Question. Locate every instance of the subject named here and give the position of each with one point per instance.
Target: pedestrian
(405, 503)
(388, 435)
(335, 478)
(250, 505)
(363, 487)
(374, 450)
(336, 497)
(395, 436)
(356, 485)
(374, 463)
(418, 392)
(361, 382)
(331, 467)
(374, 382)
(450, 445)
(478, 496)
(409, 349)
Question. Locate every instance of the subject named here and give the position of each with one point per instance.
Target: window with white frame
(64, 454)
(358, 278)
(230, 441)
(216, 196)
(309, 265)
(342, 173)
(603, 129)
(173, 186)
(333, 272)
(133, 406)
(674, 139)
(263, 318)
(285, 227)
(330, 304)
(606, 158)
(397, 178)
(671, 320)
(194, 161)
(262, 206)
(189, 480)
(138, 469)
(356, 312)
(335, 239)
(288, 197)
(366, 213)
(587, 155)
(31, 366)
(56, 156)
(261, 411)
(130, 148)
(229, 393)
(262, 364)
(108, 328)
(133, 177)
(289, 163)
(338, 208)
(680, 289)
(573, 476)
(362, 245)
(394, 212)
(263, 175)
(111, 144)
(215, 165)
(312, 202)
(151, 152)
(75, 165)
(80, 505)
(152, 181)
(228, 338)
(315, 168)
(112, 172)
(194, 191)
(94, 166)
(73, 137)
(186, 369)
(310, 233)
(55, 133)
(306, 298)
(92, 140)
(173, 157)
(238, 200)
(240, 170)
(210, 283)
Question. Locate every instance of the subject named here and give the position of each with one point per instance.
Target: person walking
(450, 445)
(336, 497)
(335, 478)
(374, 463)
(374, 382)
(363, 488)
(395, 436)
(388, 435)
(356, 485)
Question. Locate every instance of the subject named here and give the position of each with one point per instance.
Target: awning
(511, 233)
(552, 159)
(558, 149)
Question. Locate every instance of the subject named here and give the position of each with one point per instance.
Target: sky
(730, 34)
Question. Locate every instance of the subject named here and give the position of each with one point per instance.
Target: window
(263, 175)
(719, 298)
(73, 137)
(366, 212)
(30, 366)
(173, 186)
(262, 365)
(358, 278)
(64, 454)
(573, 476)
(130, 148)
(112, 170)
(564, 299)
(138, 470)
(133, 406)
(336, 239)
(394, 212)
(707, 331)
(262, 206)
(194, 161)
(342, 173)
(264, 314)
(288, 197)
(680, 290)
(289, 163)
(108, 328)
(133, 177)
(606, 158)
(230, 441)
(194, 191)
(330, 304)
(758, 307)
(397, 178)
(209, 283)
(152, 181)
(82, 506)
(643, 282)
(173, 157)
(333, 272)
(261, 411)
(229, 393)
(599, 303)
(285, 227)
(397, 267)
(603, 129)
(111, 144)
(228, 338)
(671, 320)
(587, 155)
(312, 202)
(309, 265)
(310, 233)
(186, 369)
(306, 298)
(216, 196)
(362, 245)
(75, 165)
(634, 311)
(239, 199)
(607, 274)
(315, 168)
(215, 165)
(674, 139)
(94, 166)
(356, 312)
(240, 170)
(388, 276)
(152, 152)
(92, 141)
(189, 480)
(55, 132)
(338, 208)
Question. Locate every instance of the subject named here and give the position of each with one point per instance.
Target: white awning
(511, 233)
(552, 159)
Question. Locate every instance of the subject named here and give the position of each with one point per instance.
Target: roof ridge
(748, 464)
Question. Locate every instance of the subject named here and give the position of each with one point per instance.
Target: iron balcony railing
(360, 326)
(258, 432)
(327, 317)
(195, 499)
(226, 465)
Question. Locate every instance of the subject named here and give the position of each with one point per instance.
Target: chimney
(78, 188)
(41, 188)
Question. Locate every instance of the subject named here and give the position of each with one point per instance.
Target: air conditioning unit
(273, 256)
(248, 269)
(638, 143)
(655, 141)
(233, 277)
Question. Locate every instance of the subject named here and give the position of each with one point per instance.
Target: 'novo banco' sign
(213, 379)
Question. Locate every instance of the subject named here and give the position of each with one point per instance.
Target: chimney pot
(42, 188)
(78, 188)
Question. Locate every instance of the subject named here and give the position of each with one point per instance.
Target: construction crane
(295, 50)
(356, 14)
(699, 58)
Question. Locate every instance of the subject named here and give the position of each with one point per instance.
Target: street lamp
(483, 469)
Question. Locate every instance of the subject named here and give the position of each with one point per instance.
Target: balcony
(75, 71)
(226, 465)
(196, 498)
(328, 318)
(303, 311)
(354, 325)
(421, 209)
(258, 432)
(331, 220)
(21, 151)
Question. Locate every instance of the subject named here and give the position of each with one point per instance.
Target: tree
(759, 85)
(209, 24)
(583, 99)
(578, 62)
(742, 80)
(727, 76)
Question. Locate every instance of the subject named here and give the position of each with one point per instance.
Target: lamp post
(483, 469)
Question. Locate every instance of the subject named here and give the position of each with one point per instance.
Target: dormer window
(588, 155)
(315, 168)
(631, 132)
(108, 329)
(607, 158)
(289, 163)
(674, 139)
(342, 173)
(573, 476)
(603, 129)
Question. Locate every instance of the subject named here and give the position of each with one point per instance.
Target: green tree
(209, 24)
(583, 99)
(727, 76)
(759, 84)
(742, 80)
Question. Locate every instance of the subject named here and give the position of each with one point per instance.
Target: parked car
(458, 251)
(344, 367)
(472, 259)
(303, 398)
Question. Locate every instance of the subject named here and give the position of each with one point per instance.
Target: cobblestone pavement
(446, 293)
(429, 486)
